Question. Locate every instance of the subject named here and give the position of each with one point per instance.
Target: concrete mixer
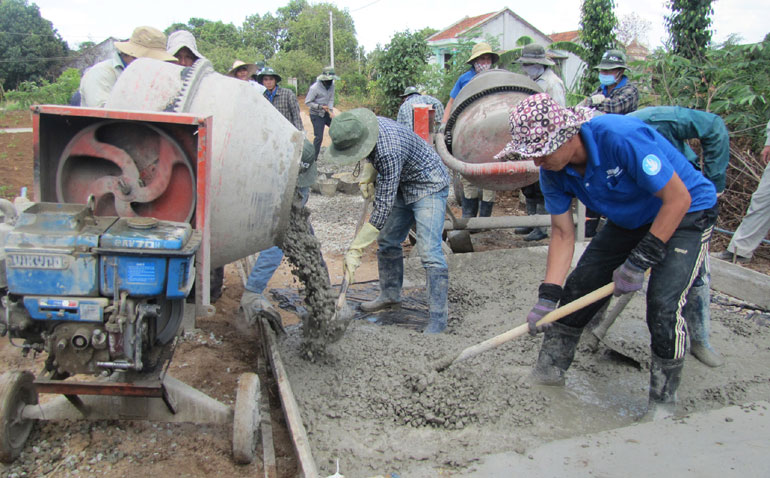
(478, 128)
(181, 161)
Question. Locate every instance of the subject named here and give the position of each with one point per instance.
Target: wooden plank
(290, 408)
(266, 423)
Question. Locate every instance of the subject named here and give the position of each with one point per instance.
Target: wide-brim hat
(146, 42)
(251, 67)
(353, 134)
(482, 49)
(268, 72)
(180, 39)
(327, 74)
(534, 54)
(540, 126)
(612, 59)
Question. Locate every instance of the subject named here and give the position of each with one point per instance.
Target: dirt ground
(212, 358)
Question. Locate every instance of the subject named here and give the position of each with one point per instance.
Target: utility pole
(331, 37)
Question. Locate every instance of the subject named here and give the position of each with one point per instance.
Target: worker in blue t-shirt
(660, 213)
(482, 58)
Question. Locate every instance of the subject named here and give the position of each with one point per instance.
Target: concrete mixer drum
(132, 169)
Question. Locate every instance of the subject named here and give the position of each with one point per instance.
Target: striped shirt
(405, 164)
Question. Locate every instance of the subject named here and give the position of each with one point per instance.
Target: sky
(377, 20)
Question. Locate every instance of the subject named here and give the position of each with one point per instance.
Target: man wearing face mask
(482, 58)
(538, 68)
(616, 94)
(320, 100)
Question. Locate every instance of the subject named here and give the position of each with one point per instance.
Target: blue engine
(96, 293)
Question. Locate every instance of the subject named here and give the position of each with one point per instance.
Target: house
(506, 27)
(90, 56)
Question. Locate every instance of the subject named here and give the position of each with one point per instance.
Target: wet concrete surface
(360, 406)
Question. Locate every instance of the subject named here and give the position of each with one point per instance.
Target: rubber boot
(391, 270)
(698, 317)
(538, 233)
(531, 211)
(438, 288)
(665, 375)
(485, 209)
(470, 206)
(556, 354)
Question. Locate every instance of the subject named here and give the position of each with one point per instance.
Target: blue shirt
(405, 164)
(462, 81)
(628, 162)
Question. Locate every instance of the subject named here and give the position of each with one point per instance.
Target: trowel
(342, 311)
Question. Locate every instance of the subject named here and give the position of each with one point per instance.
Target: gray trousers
(756, 222)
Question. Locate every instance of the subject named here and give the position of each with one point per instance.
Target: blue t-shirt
(461, 82)
(628, 162)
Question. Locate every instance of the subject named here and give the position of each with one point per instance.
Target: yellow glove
(597, 99)
(365, 236)
(366, 180)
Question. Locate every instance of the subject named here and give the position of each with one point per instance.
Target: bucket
(255, 150)
(328, 186)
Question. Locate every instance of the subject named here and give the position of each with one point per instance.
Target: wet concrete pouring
(362, 404)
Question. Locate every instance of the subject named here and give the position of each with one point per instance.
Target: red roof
(565, 36)
(460, 27)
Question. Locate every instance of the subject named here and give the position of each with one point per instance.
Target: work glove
(597, 99)
(627, 278)
(255, 305)
(366, 180)
(367, 235)
(548, 297)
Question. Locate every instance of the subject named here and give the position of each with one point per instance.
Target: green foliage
(730, 80)
(310, 32)
(30, 47)
(57, 93)
(298, 64)
(401, 64)
(688, 26)
(221, 43)
(597, 26)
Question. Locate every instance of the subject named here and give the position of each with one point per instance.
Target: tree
(30, 48)
(632, 27)
(400, 65)
(310, 33)
(597, 23)
(688, 26)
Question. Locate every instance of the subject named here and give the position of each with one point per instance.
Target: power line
(365, 6)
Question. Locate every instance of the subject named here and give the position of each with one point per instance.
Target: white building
(506, 27)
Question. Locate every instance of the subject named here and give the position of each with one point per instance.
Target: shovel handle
(522, 329)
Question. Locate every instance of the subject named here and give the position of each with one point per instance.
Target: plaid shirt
(286, 102)
(405, 116)
(405, 164)
(623, 99)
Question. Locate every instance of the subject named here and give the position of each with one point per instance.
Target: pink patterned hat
(539, 126)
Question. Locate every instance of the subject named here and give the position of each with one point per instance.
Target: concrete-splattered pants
(670, 281)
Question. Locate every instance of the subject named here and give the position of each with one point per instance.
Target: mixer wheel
(246, 419)
(16, 392)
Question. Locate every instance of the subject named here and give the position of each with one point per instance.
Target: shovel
(342, 311)
(522, 329)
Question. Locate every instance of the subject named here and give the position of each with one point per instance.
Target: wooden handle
(522, 329)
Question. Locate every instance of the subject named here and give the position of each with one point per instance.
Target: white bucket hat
(180, 39)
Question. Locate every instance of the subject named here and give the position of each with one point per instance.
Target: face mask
(479, 67)
(606, 80)
(533, 71)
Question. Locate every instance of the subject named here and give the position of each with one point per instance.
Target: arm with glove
(651, 250)
(366, 180)
(367, 235)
